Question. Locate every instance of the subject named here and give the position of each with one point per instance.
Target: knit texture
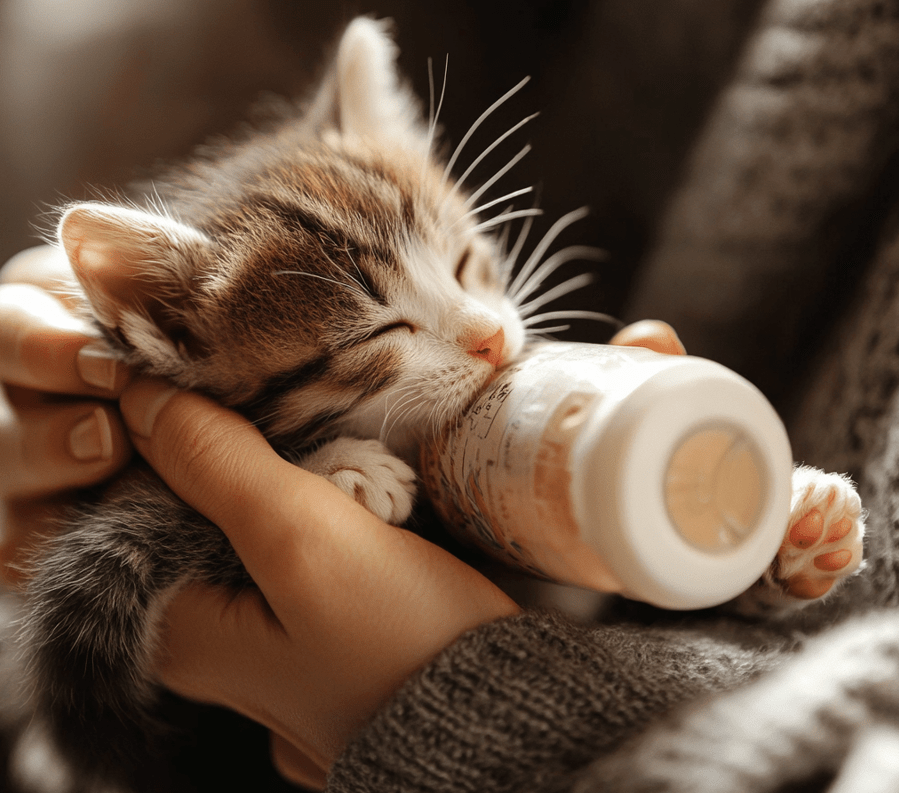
(798, 723)
(755, 237)
(524, 703)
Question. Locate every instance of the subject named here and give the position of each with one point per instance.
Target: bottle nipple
(714, 488)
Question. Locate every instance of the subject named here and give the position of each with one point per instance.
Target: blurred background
(94, 93)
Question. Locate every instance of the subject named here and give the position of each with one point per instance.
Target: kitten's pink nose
(490, 349)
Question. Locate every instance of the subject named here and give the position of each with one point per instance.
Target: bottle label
(501, 474)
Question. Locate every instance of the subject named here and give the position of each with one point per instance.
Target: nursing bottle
(665, 478)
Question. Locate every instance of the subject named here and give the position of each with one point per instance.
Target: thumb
(199, 448)
(221, 465)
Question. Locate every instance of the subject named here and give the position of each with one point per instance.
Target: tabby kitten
(327, 279)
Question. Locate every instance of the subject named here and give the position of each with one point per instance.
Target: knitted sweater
(527, 702)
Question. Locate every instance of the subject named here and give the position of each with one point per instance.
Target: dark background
(94, 93)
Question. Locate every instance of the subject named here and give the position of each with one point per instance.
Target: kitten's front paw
(367, 471)
(823, 543)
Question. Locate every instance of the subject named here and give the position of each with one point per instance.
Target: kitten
(327, 279)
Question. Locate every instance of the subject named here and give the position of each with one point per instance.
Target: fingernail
(97, 365)
(91, 438)
(144, 403)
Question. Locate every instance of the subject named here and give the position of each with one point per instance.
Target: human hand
(347, 609)
(58, 428)
(652, 334)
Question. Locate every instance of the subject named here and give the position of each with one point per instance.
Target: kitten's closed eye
(401, 325)
(463, 261)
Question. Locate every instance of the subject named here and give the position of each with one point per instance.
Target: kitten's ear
(362, 95)
(136, 269)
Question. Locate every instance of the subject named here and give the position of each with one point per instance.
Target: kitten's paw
(367, 471)
(823, 543)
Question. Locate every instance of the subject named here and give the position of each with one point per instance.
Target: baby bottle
(665, 478)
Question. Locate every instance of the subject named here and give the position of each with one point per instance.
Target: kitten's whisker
(497, 176)
(441, 413)
(494, 202)
(432, 116)
(509, 262)
(477, 123)
(408, 405)
(461, 180)
(362, 281)
(552, 264)
(572, 284)
(502, 240)
(572, 314)
(401, 396)
(505, 217)
(543, 333)
(322, 278)
(537, 254)
(430, 92)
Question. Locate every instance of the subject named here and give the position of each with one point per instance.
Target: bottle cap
(685, 487)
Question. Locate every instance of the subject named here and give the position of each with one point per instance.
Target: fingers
(652, 334)
(44, 347)
(221, 465)
(347, 607)
(44, 266)
(51, 449)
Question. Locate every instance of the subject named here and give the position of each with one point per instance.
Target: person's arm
(347, 609)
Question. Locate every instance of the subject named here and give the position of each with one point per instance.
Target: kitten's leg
(367, 471)
(822, 545)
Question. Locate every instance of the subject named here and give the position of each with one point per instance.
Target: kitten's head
(323, 277)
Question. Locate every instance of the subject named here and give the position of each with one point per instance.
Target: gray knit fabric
(800, 722)
(527, 702)
(756, 233)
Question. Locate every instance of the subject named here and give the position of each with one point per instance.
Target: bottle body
(665, 478)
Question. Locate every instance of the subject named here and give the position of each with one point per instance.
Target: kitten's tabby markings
(328, 279)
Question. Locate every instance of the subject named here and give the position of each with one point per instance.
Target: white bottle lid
(684, 486)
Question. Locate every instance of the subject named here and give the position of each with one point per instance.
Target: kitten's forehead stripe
(318, 244)
(337, 237)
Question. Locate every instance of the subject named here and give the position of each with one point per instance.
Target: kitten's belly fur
(94, 603)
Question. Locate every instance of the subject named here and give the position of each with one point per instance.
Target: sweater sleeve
(527, 701)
